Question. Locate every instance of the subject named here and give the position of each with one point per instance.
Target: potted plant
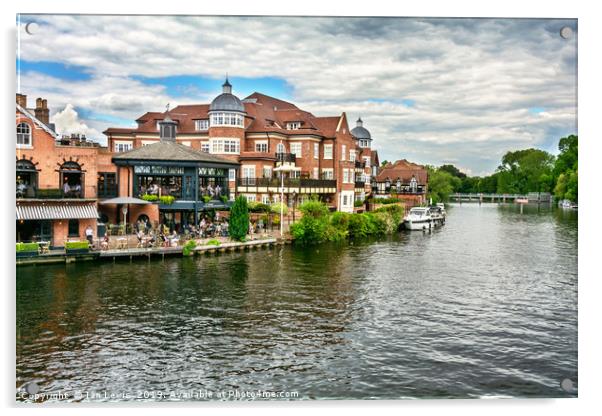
(27, 249)
(77, 247)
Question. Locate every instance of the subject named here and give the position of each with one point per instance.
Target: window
(296, 149)
(106, 184)
(205, 147)
(327, 151)
(345, 176)
(225, 146)
(328, 173)
(73, 228)
(280, 148)
(316, 173)
(250, 197)
(227, 119)
(352, 155)
(343, 151)
(267, 171)
(248, 173)
(351, 176)
(367, 161)
(201, 125)
(316, 151)
(231, 174)
(261, 147)
(23, 134)
(294, 125)
(265, 199)
(123, 146)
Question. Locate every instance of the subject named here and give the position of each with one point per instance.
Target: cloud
(471, 82)
(67, 122)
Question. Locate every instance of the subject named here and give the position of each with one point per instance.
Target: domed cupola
(227, 101)
(361, 133)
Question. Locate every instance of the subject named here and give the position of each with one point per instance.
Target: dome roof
(361, 133)
(227, 101)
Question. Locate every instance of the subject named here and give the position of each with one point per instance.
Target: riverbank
(162, 252)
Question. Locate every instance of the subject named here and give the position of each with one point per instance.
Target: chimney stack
(22, 100)
(41, 112)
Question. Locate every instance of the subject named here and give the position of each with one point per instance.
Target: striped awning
(56, 211)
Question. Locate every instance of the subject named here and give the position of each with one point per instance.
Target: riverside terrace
(181, 180)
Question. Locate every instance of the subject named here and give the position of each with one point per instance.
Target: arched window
(280, 148)
(27, 179)
(72, 179)
(23, 134)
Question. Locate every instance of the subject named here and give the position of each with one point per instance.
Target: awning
(123, 200)
(56, 211)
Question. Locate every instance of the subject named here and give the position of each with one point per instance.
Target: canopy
(122, 200)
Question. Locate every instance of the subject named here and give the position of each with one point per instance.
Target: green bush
(385, 201)
(213, 242)
(167, 199)
(358, 203)
(239, 219)
(188, 247)
(258, 207)
(206, 198)
(150, 198)
(314, 208)
(224, 198)
(275, 208)
(27, 247)
(76, 245)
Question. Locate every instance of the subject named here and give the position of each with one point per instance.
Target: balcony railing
(403, 190)
(288, 182)
(55, 193)
(286, 157)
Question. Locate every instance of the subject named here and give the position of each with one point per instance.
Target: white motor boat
(419, 218)
(566, 204)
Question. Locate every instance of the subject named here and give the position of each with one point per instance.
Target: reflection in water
(485, 306)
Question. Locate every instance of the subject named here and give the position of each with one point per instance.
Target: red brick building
(56, 179)
(404, 180)
(323, 155)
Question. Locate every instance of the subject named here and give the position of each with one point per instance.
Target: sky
(433, 91)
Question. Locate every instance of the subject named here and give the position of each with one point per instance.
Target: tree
(239, 219)
(523, 171)
(451, 169)
(441, 185)
(566, 168)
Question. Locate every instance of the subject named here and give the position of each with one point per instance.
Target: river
(485, 306)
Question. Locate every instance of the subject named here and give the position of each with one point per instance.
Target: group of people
(72, 190)
(212, 191)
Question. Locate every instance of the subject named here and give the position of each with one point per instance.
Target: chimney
(41, 112)
(22, 100)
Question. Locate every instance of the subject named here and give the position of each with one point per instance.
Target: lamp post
(282, 168)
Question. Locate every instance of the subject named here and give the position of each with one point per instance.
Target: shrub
(206, 198)
(239, 219)
(224, 198)
(385, 201)
(358, 203)
(150, 198)
(188, 247)
(76, 245)
(27, 247)
(167, 199)
(314, 208)
(258, 207)
(275, 208)
(213, 242)
(310, 230)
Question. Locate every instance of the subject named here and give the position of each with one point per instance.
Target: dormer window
(201, 125)
(293, 125)
(227, 119)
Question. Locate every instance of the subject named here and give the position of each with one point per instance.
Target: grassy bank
(319, 225)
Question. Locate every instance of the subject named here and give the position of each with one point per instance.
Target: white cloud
(472, 81)
(67, 122)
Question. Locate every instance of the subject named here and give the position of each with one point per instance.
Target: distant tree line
(520, 172)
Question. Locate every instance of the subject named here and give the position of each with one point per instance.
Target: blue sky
(434, 91)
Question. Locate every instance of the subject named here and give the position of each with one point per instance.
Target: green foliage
(27, 247)
(452, 170)
(385, 201)
(150, 198)
(258, 207)
(318, 224)
(188, 247)
(275, 208)
(566, 169)
(224, 199)
(167, 199)
(442, 184)
(76, 245)
(358, 203)
(239, 219)
(206, 199)
(213, 242)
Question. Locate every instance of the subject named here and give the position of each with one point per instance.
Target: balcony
(299, 185)
(382, 189)
(286, 157)
(30, 192)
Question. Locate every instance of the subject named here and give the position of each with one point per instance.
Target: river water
(486, 306)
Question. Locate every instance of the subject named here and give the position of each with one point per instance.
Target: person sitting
(163, 239)
(153, 189)
(210, 190)
(104, 244)
(77, 190)
(66, 189)
(21, 189)
(139, 236)
(174, 239)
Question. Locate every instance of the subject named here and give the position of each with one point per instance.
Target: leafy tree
(451, 169)
(441, 185)
(566, 168)
(239, 219)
